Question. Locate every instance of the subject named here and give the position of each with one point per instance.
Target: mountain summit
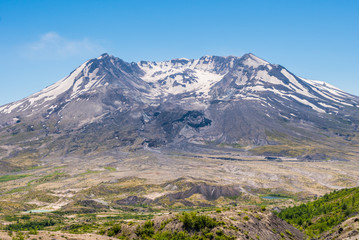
(107, 103)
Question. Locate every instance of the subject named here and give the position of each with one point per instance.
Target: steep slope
(108, 104)
(95, 80)
(325, 213)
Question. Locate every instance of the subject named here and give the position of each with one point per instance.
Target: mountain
(108, 105)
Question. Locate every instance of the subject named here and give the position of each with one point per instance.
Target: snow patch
(177, 78)
(306, 102)
(46, 94)
(254, 61)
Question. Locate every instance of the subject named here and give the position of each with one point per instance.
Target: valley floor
(88, 196)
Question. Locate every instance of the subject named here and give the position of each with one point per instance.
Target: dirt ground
(45, 235)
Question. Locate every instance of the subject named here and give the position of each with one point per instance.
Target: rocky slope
(108, 104)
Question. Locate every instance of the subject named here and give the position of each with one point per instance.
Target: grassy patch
(89, 172)
(81, 228)
(51, 177)
(110, 169)
(7, 178)
(281, 150)
(59, 167)
(19, 189)
(234, 145)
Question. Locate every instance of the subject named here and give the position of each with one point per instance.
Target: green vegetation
(281, 150)
(183, 235)
(196, 227)
(167, 235)
(288, 232)
(110, 169)
(19, 236)
(80, 228)
(164, 223)
(59, 167)
(183, 226)
(193, 222)
(234, 145)
(115, 229)
(19, 189)
(323, 214)
(89, 172)
(31, 225)
(51, 177)
(34, 167)
(13, 218)
(146, 231)
(7, 178)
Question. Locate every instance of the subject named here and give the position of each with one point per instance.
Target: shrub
(33, 231)
(164, 223)
(19, 236)
(193, 222)
(115, 229)
(27, 225)
(146, 231)
(219, 232)
(288, 232)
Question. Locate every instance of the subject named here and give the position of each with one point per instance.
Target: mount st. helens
(117, 141)
(109, 105)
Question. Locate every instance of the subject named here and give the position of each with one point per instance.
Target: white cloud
(52, 45)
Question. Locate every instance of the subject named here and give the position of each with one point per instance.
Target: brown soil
(45, 235)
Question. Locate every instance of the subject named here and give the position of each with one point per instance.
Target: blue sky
(43, 41)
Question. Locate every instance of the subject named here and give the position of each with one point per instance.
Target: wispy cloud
(53, 45)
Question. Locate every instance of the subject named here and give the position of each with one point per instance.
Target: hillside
(226, 224)
(325, 213)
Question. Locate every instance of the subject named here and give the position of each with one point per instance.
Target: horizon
(313, 40)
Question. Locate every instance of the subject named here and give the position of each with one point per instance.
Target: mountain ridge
(217, 100)
(137, 69)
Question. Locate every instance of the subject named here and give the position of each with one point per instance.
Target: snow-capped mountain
(208, 78)
(211, 99)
